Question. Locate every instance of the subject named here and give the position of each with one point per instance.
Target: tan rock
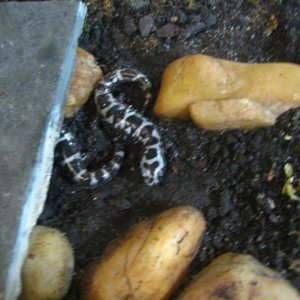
(217, 93)
(238, 277)
(87, 73)
(48, 268)
(149, 261)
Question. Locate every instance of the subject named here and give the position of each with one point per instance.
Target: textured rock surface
(37, 49)
(238, 276)
(217, 93)
(86, 75)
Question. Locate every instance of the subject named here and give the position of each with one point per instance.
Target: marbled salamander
(75, 164)
(131, 123)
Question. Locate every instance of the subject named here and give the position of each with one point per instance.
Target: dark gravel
(235, 177)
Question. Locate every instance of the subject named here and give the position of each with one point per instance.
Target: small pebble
(174, 19)
(137, 4)
(145, 25)
(211, 20)
(129, 26)
(192, 30)
(167, 30)
(271, 203)
(287, 137)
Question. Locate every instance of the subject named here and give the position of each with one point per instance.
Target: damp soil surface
(234, 177)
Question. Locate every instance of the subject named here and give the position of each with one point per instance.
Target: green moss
(288, 188)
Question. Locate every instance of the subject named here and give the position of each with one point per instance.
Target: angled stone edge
(38, 187)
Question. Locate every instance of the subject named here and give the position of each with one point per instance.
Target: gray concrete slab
(37, 53)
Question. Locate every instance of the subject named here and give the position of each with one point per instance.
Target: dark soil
(235, 177)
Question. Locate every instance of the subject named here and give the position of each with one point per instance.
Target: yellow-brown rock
(238, 277)
(150, 260)
(87, 73)
(48, 268)
(218, 94)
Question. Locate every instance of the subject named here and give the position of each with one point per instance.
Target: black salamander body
(75, 164)
(131, 123)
